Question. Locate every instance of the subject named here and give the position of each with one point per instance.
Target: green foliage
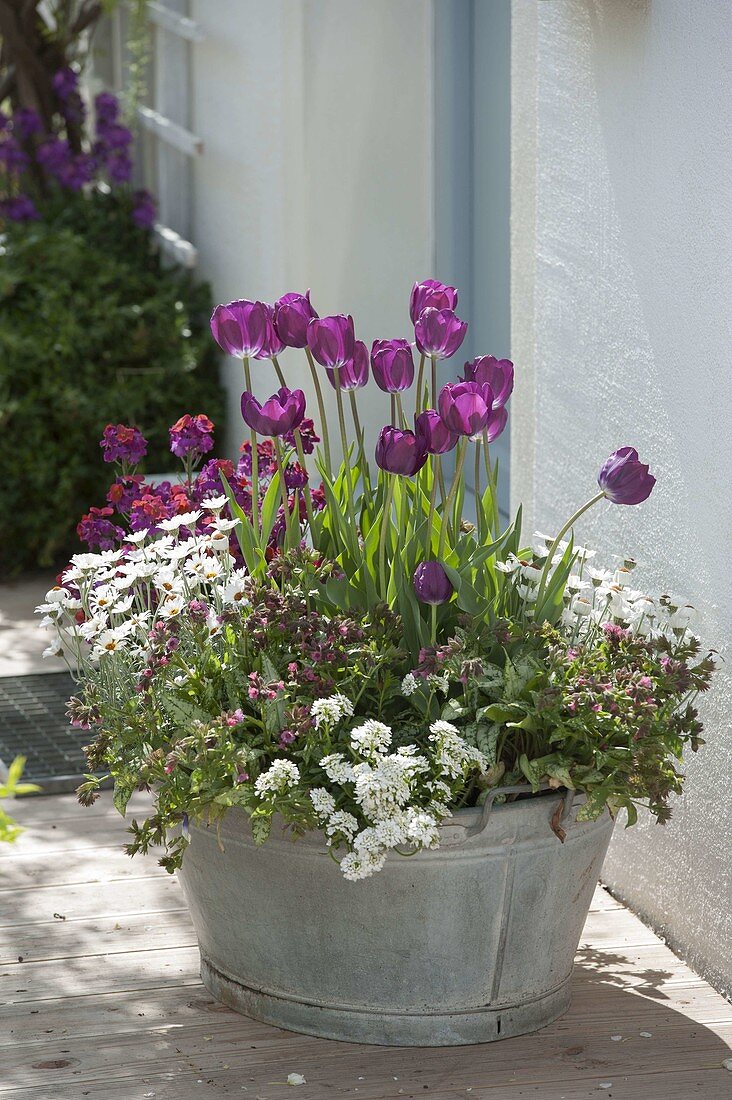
(93, 330)
(9, 789)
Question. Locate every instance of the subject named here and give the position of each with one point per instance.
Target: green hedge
(93, 330)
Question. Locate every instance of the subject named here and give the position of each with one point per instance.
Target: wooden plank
(66, 809)
(167, 130)
(264, 1053)
(155, 892)
(179, 25)
(90, 938)
(101, 865)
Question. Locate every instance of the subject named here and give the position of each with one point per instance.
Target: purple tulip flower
(332, 340)
(393, 365)
(355, 374)
(465, 407)
(436, 437)
(431, 583)
(431, 294)
(241, 328)
(498, 373)
(282, 413)
(624, 479)
(496, 422)
(399, 452)
(439, 332)
(292, 312)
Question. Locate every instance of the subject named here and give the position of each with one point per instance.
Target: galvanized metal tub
(466, 944)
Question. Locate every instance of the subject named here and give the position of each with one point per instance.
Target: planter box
(466, 944)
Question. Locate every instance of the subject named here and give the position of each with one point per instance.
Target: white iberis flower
(326, 712)
(371, 738)
(342, 822)
(409, 684)
(279, 777)
(336, 768)
(323, 802)
(455, 757)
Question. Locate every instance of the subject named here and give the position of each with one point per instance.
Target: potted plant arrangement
(385, 742)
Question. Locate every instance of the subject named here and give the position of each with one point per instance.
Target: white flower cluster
(328, 712)
(279, 777)
(111, 600)
(399, 801)
(595, 596)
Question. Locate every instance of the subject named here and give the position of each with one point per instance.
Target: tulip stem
(491, 482)
(433, 624)
(385, 523)
(400, 410)
(462, 450)
(255, 455)
(433, 503)
(420, 384)
(553, 548)
(433, 361)
(283, 490)
(476, 479)
(354, 414)
(346, 456)
(321, 410)
(278, 371)
(306, 490)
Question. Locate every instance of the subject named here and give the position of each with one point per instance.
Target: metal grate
(33, 724)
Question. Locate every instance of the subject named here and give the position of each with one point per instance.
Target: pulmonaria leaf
(260, 828)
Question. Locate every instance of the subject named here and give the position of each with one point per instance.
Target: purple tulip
(496, 422)
(292, 312)
(465, 407)
(439, 332)
(282, 413)
(431, 583)
(355, 374)
(436, 437)
(400, 452)
(431, 294)
(241, 328)
(272, 344)
(624, 479)
(393, 365)
(331, 339)
(498, 373)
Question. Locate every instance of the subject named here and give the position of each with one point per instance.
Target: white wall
(622, 235)
(316, 119)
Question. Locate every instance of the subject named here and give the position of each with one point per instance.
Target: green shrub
(93, 330)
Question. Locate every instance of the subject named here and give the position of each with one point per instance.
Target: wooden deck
(100, 998)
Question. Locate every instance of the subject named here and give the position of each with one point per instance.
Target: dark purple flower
(241, 328)
(496, 422)
(282, 413)
(400, 452)
(498, 373)
(143, 212)
(121, 443)
(119, 168)
(332, 340)
(624, 479)
(123, 493)
(435, 435)
(292, 312)
(19, 209)
(26, 122)
(431, 294)
(12, 156)
(295, 476)
(465, 407)
(393, 365)
(106, 107)
(439, 332)
(308, 436)
(191, 434)
(354, 374)
(272, 343)
(97, 530)
(431, 583)
(65, 82)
